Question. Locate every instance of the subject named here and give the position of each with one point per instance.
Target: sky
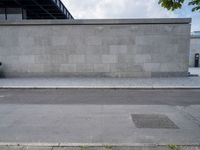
(107, 9)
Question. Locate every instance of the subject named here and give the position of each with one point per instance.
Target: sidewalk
(186, 82)
(143, 83)
(189, 82)
(101, 126)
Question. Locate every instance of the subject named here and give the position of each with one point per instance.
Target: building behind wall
(33, 9)
(194, 46)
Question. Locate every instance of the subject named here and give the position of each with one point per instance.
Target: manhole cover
(155, 121)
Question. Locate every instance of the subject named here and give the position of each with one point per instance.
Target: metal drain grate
(155, 121)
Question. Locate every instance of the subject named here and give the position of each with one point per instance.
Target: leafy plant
(177, 4)
(172, 147)
(108, 146)
(83, 147)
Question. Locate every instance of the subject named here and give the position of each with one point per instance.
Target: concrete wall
(194, 48)
(113, 48)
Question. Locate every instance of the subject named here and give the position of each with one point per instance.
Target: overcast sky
(97, 9)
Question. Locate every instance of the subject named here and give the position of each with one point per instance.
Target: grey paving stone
(36, 148)
(140, 148)
(189, 147)
(66, 148)
(11, 147)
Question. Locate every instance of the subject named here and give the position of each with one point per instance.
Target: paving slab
(37, 148)
(11, 147)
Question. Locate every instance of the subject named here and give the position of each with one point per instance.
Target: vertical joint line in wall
(6, 17)
(22, 13)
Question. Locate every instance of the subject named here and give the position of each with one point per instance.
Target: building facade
(194, 47)
(33, 9)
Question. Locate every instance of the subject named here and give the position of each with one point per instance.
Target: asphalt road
(100, 96)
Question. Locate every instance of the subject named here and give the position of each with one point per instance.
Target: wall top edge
(100, 21)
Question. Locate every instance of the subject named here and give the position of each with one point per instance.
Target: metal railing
(61, 6)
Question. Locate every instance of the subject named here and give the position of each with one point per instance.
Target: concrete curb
(95, 146)
(99, 87)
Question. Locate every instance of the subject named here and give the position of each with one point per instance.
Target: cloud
(113, 9)
(97, 9)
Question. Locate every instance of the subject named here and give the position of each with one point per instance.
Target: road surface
(100, 96)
